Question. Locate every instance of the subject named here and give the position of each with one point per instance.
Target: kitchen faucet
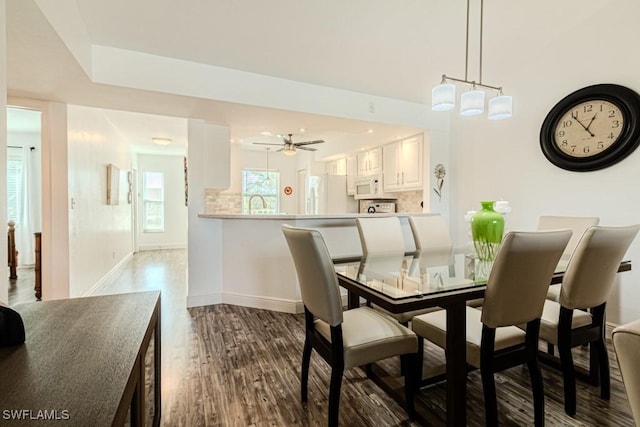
(264, 204)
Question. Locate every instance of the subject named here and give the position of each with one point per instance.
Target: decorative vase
(487, 227)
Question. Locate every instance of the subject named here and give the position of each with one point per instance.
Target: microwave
(370, 187)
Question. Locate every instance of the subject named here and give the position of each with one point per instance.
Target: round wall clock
(592, 128)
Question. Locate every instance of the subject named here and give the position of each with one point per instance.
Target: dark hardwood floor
(226, 365)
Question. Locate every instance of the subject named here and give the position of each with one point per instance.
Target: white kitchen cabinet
(351, 165)
(370, 161)
(402, 164)
(337, 167)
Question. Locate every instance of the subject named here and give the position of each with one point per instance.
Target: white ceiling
(392, 49)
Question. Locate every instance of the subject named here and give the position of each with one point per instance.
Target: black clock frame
(624, 98)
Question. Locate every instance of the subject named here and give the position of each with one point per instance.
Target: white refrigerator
(327, 194)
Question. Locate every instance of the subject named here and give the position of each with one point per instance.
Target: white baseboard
(202, 300)
(162, 246)
(108, 275)
(264, 303)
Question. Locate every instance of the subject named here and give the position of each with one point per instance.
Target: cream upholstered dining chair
(586, 285)
(577, 224)
(383, 244)
(626, 343)
(344, 339)
(433, 240)
(515, 295)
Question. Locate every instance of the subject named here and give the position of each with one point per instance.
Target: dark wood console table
(86, 361)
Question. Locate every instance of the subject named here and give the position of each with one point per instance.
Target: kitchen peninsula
(253, 266)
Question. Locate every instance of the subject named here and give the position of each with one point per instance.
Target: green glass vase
(487, 228)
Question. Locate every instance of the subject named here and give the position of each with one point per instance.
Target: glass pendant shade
(443, 97)
(289, 151)
(472, 103)
(500, 107)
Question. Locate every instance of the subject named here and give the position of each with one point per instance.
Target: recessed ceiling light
(265, 133)
(369, 130)
(232, 140)
(161, 141)
(302, 130)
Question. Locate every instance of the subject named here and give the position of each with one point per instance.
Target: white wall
(175, 220)
(205, 251)
(502, 159)
(100, 235)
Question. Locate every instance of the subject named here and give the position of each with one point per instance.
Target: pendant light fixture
(267, 180)
(443, 96)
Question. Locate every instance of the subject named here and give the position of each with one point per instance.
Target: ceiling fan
(289, 147)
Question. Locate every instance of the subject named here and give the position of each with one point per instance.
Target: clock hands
(591, 121)
(575, 116)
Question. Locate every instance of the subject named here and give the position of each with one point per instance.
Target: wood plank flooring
(226, 365)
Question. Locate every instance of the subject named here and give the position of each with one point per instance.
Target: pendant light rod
(445, 78)
(466, 57)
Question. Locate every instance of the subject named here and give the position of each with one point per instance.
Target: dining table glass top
(400, 276)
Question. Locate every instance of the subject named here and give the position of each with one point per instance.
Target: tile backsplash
(409, 201)
(223, 202)
(219, 202)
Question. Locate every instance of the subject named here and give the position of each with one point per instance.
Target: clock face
(589, 128)
(592, 128)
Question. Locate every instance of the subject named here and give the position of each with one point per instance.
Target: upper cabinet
(351, 164)
(337, 167)
(370, 162)
(402, 164)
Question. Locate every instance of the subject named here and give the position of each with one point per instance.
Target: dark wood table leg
(456, 365)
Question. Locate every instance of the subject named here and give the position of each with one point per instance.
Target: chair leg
(603, 364)
(535, 374)
(410, 362)
(420, 359)
(566, 360)
(334, 395)
(487, 374)
(538, 391)
(304, 375)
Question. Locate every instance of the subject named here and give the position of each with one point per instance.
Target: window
(259, 186)
(14, 183)
(153, 201)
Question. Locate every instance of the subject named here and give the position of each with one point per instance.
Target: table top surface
(77, 359)
(412, 277)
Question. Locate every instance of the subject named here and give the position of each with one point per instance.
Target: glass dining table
(406, 283)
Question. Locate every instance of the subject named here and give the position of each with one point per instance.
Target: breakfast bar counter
(249, 263)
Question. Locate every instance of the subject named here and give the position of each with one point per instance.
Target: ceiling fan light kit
(289, 147)
(443, 96)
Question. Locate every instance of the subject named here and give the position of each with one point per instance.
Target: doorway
(24, 193)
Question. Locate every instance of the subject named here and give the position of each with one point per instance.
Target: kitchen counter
(296, 216)
(247, 261)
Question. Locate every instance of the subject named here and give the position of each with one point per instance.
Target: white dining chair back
(381, 236)
(512, 296)
(316, 274)
(577, 224)
(593, 267)
(432, 239)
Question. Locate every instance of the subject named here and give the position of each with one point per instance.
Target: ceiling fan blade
(282, 149)
(264, 143)
(308, 148)
(317, 141)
